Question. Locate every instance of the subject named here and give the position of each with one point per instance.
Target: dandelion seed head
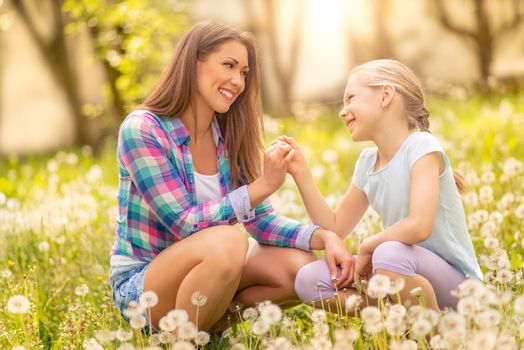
(105, 336)
(201, 338)
(371, 314)
(380, 285)
(352, 302)
(82, 290)
(270, 313)
(318, 316)
(178, 316)
(137, 322)
(198, 299)
(416, 292)
(134, 308)
(259, 327)
(166, 324)
(250, 313)
(6, 274)
(187, 331)
(43, 246)
(124, 335)
(148, 299)
(18, 304)
(420, 328)
(183, 345)
(92, 344)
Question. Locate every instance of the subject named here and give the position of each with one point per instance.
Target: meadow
(57, 218)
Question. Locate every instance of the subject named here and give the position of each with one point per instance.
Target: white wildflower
(491, 242)
(124, 335)
(519, 212)
(466, 306)
(452, 322)
(183, 345)
(488, 318)
(18, 304)
(371, 314)
(353, 302)
(396, 286)
(318, 316)
(133, 309)
(92, 344)
(198, 299)
(379, 285)
(395, 326)
(416, 292)
(6, 274)
(260, 327)
(486, 194)
(187, 331)
(504, 276)
(484, 339)
(471, 199)
(137, 322)
(18, 347)
(3, 198)
(374, 328)
(105, 336)
(154, 340)
(436, 342)
(201, 338)
(420, 328)
(43, 246)
(178, 316)
(271, 313)
(167, 324)
(512, 167)
(518, 305)
(487, 177)
(166, 337)
(330, 156)
(481, 215)
(148, 299)
(320, 328)
(82, 290)
(250, 313)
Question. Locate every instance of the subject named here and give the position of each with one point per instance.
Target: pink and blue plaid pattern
(157, 199)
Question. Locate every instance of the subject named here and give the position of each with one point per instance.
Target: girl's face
(362, 109)
(221, 77)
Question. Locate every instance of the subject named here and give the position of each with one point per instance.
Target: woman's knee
(226, 247)
(313, 282)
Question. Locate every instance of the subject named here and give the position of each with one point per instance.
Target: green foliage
(57, 222)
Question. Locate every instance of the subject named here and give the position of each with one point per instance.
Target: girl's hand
(276, 160)
(363, 267)
(299, 163)
(336, 256)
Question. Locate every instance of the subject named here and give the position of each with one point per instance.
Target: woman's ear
(388, 91)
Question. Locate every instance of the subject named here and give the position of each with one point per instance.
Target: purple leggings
(313, 279)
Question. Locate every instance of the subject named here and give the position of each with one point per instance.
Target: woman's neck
(203, 126)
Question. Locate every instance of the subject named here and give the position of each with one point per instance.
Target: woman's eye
(228, 65)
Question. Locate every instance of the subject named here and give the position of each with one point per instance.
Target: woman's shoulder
(141, 119)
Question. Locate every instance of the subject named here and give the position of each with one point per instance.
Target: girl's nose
(343, 112)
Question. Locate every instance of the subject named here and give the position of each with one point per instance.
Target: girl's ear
(388, 91)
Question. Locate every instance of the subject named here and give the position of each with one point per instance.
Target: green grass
(57, 224)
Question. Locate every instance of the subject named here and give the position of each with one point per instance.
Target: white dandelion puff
(187, 331)
(18, 304)
(124, 335)
(201, 338)
(43, 246)
(371, 314)
(260, 327)
(318, 316)
(420, 328)
(166, 324)
(82, 290)
(518, 305)
(198, 299)
(271, 313)
(250, 313)
(148, 299)
(126, 346)
(105, 336)
(137, 322)
(183, 345)
(178, 316)
(352, 302)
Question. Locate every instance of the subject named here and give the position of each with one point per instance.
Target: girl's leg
(209, 262)
(419, 267)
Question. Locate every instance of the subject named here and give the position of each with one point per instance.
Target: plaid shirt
(157, 203)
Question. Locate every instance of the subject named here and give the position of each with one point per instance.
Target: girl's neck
(388, 143)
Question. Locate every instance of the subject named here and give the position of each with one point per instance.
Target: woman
(188, 162)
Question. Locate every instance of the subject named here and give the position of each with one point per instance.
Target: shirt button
(245, 217)
(195, 226)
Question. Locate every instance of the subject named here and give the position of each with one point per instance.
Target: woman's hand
(336, 256)
(299, 163)
(276, 160)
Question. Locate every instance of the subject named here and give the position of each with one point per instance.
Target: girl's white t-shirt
(388, 191)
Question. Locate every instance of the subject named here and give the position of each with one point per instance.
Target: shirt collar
(181, 135)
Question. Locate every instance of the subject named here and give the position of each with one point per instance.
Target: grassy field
(57, 217)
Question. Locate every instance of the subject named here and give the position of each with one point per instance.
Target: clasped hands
(285, 156)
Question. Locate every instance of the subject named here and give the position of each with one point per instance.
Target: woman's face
(221, 77)
(362, 109)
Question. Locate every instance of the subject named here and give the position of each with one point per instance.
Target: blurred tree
(54, 51)
(485, 35)
(284, 66)
(132, 40)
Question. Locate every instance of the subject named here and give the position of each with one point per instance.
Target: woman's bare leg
(209, 262)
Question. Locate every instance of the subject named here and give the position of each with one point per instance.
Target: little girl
(407, 179)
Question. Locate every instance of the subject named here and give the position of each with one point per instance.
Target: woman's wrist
(321, 238)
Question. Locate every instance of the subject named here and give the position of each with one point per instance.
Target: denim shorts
(127, 283)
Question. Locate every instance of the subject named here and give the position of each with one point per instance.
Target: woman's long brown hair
(241, 125)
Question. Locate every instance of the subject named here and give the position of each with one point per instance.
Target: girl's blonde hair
(241, 125)
(382, 72)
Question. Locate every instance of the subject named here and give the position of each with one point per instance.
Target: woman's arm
(349, 211)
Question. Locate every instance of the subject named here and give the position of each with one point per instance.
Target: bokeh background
(70, 69)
